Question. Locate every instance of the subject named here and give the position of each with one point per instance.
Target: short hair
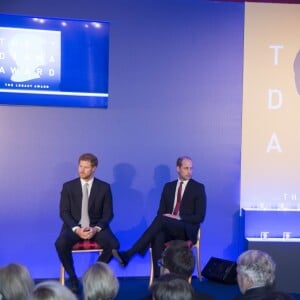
(15, 282)
(179, 258)
(89, 157)
(171, 287)
(51, 290)
(180, 159)
(99, 282)
(258, 266)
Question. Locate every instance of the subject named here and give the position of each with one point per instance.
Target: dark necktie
(85, 220)
(178, 200)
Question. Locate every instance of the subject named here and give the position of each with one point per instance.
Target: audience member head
(15, 282)
(178, 258)
(255, 268)
(279, 296)
(100, 283)
(171, 287)
(51, 290)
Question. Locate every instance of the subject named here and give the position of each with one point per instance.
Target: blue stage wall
(175, 85)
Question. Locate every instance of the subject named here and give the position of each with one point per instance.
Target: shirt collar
(90, 182)
(185, 182)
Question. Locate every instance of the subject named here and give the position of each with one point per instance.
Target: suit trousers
(67, 239)
(161, 230)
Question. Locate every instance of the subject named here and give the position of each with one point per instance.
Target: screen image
(271, 104)
(53, 62)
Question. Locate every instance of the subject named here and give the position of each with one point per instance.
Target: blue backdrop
(175, 85)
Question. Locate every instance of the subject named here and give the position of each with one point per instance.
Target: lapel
(173, 191)
(186, 190)
(78, 189)
(77, 192)
(93, 192)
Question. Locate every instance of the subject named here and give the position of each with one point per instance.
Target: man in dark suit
(85, 220)
(182, 208)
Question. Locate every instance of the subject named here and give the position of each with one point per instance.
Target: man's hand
(86, 233)
(172, 216)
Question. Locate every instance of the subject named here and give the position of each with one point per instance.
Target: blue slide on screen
(53, 62)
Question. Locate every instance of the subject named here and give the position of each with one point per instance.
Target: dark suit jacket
(192, 208)
(100, 203)
(255, 294)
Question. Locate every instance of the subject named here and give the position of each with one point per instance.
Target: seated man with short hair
(178, 258)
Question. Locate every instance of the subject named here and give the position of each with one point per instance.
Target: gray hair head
(257, 266)
(100, 283)
(15, 282)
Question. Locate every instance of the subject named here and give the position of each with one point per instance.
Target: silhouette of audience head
(171, 287)
(100, 283)
(51, 290)
(255, 269)
(15, 282)
(279, 296)
(178, 258)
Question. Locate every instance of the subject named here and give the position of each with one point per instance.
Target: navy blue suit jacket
(100, 205)
(193, 205)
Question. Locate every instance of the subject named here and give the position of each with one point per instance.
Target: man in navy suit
(170, 224)
(99, 215)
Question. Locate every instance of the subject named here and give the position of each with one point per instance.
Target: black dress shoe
(121, 256)
(74, 285)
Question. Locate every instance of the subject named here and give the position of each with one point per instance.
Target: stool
(191, 245)
(80, 247)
